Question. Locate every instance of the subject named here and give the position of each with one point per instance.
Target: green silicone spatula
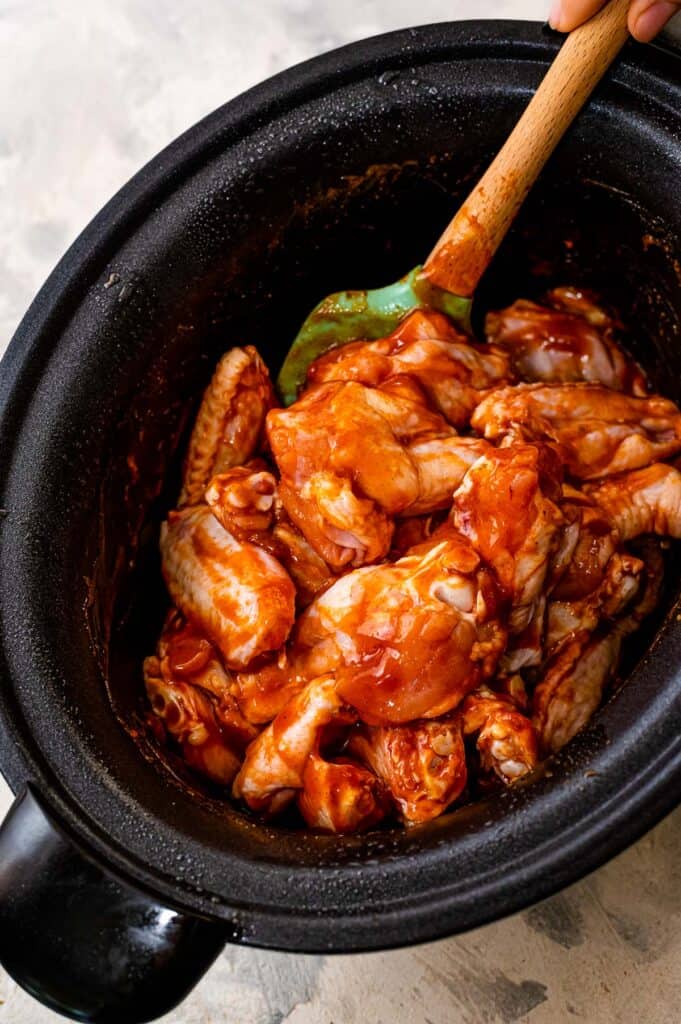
(447, 280)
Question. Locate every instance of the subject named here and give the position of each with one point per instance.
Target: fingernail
(556, 14)
(652, 20)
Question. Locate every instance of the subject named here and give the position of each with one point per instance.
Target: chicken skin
(341, 796)
(189, 717)
(598, 432)
(230, 421)
(265, 690)
(506, 506)
(275, 762)
(645, 501)
(620, 584)
(419, 578)
(405, 640)
(307, 569)
(577, 567)
(237, 593)
(572, 687)
(586, 660)
(506, 740)
(588, 542)
(186, 653)
(242, 500)
(567, 340)
(451, 370)
(423, 764)
(245, 500)
(352, 457)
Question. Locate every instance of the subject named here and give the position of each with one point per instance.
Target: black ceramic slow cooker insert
(119, 881)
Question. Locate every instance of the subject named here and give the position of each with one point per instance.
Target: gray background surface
(88, 92)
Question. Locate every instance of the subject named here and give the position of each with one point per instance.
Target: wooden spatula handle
(464, 251)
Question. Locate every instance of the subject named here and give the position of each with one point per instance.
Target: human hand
(646, 17)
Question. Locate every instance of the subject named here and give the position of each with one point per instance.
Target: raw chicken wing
(230, 421)
(375, 615)
(422, 764)
(506, 506)
(266, 689)
(242, 500)
(238, 594)
(620, 584)
(572, 687)
(341, 795)
(589, 541)
(645, 501)
(598, 431)
(405, 640)
(351, 457)
(451, 369)
(189, 716)
(566, 341)
(275, 762)
(506, 739)
(307, 569)
(573, 683)
(186, 653)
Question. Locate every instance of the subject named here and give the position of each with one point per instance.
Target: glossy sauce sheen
(414, 582)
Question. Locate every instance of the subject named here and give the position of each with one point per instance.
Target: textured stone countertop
(88, 93)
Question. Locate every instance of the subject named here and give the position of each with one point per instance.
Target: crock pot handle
(84, 944)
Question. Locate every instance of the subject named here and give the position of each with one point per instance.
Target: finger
(648, 17)
(568, 14)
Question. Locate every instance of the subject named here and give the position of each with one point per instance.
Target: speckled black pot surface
(338, 173)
